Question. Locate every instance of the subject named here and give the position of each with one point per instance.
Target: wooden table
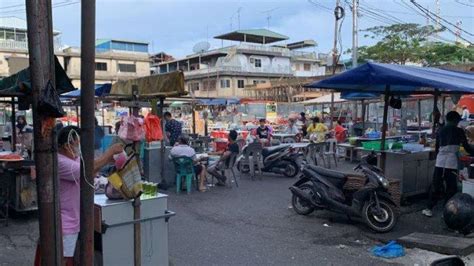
(350, 149)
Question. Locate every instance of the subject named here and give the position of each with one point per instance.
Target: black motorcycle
(321, 188)
(276, 159)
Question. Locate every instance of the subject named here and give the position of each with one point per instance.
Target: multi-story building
(115, 59)
(226, 71)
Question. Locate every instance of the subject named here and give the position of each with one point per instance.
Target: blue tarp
(353, 96)
(218, 101)
(100, 90)
(373, 77)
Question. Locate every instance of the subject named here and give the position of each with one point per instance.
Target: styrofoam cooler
(468, 187)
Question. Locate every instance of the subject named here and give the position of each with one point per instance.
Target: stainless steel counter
(114, 222)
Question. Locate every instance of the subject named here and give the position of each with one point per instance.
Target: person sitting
(317, 130)
(292, 128)
(340, 132)
(182, 149)
(223, 162)
(263, 132)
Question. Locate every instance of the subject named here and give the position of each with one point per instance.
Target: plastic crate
(376, 145)
(374, 135)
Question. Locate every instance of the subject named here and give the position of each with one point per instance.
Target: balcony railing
(266, 70)
(21, 45)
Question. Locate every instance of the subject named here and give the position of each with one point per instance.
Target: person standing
(173, 128)
(465, 113)
(303, 120)
(98, 137)
(448, 140)
(340, 132)
(317, 130)
(69, 173)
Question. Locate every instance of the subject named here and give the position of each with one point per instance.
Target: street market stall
(18, 178)
(392, 80)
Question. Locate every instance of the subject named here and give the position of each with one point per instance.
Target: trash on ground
(326, 225)
(390, 250)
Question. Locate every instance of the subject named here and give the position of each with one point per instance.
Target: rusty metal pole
(86, 247)
(42, 66)
(384, 126)
(13, 121)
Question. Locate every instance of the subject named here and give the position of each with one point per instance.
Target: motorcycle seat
(273, 149)
(335, 177)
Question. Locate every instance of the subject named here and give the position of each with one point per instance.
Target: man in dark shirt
(173, 128)
(448, 140)
(232, 150)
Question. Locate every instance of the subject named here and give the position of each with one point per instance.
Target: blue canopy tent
(396, 80)
(100, 90)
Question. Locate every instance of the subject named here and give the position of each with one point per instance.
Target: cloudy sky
(175, 26)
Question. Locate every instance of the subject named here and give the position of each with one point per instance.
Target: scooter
(276, 159)
(321, 188)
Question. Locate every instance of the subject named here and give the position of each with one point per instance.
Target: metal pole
(443, 109)
(435, 115)
(419, 115)
(334, 59)
(86, 247)
(355, 7)
(42, 66)
(136, 202)
(194, 117)
(384, 126)
(363, 115)
(13, 120)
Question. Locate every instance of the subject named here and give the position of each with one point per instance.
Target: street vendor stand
(393, 80)
(137, 213)
(17, 177)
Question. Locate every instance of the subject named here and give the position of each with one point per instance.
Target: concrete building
(225, 72)
(115, 59)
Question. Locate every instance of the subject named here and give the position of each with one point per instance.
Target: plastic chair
(184, 169)
(331, 152)
(230, 167)
(253, 156)
(313, 151)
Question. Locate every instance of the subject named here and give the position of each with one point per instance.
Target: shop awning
(162, 85)
(324, 99)
(402, 79)
(19, 84)
(100, 91)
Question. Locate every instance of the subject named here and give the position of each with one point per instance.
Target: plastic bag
(49, 103)
(390, 250)
(131, 129)
(153, 130)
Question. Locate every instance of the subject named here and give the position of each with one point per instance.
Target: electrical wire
(428, 12)
(321, 6)
(444, 26)
(74, 136)
(23, 10)
(369, 9)
(464, 4)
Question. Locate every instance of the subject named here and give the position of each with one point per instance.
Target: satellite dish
(201, 47)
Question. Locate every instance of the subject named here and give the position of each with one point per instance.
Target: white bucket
(468, 187)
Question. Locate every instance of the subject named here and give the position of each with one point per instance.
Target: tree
(439, 53)
(399, 43)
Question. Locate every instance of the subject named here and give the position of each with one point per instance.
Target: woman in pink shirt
(69, 172)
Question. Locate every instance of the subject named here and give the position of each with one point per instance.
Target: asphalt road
(254, 225)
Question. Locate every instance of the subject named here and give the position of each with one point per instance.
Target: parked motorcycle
(321, 188)
(276, 159)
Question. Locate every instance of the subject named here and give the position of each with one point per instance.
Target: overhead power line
(464, 4)
(23, 10)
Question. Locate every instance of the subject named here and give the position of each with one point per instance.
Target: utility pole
(355, 7)
(338, 14)
(42, 67)
(86, 246)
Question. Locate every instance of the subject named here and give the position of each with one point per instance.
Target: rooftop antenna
(269, 15)
(238, 16)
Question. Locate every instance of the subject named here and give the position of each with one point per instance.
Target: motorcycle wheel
(291, 169)
(382, 220)
(243, 168)
(300, 206)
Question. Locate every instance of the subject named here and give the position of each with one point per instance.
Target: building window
(307, 67)
(258, 62)
(255, 82)
(99, 66)
(240, 84)
(127, 68)
(225, 83)
(209, 85)
(193, 86)
(297, 67)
